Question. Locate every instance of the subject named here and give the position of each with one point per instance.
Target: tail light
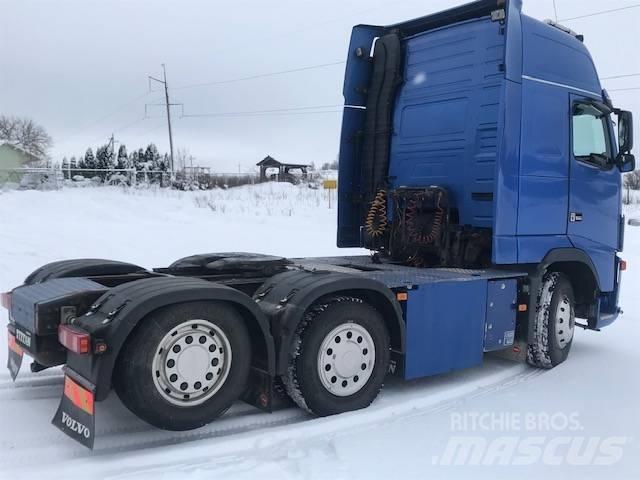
(623, 265)
(74, 339)
(5, 299)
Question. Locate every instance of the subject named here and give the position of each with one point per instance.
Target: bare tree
(26, 134)
(632, 180)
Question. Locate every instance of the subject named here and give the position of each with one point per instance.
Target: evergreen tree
(140, 165)
(104, 158)
(89, 159)
(152, 157)
(163, 164)
(123, 159)
(134, 160)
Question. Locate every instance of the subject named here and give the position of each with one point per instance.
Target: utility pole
(168, 105)
(112, 144)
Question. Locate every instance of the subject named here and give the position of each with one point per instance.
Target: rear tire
(339, 357)
(554, 322)
(184, 365)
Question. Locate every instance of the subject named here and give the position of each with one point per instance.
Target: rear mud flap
(14, 359)
(75, 415)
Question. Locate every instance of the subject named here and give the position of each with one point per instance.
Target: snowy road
(406, 433)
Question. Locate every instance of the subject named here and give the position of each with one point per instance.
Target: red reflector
(5, 299)
(79, 396)
(13, 345)
(74, 339)
(623, 265)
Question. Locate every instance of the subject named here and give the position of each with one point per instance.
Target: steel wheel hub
(346, 359)
(191, 363)
(565, 324)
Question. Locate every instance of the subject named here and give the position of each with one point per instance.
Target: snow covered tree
(151, 156)
(139, 165)
(104, 158)
(163, 164)
(89, 159)
(123, 159)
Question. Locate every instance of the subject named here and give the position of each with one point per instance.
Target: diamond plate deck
(395, 275)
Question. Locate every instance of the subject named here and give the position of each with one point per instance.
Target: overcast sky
(79, 67)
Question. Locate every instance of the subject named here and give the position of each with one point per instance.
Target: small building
(13, 158)
(272, 169)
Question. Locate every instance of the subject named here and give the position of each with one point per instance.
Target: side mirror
(626, 162)
(625, 131)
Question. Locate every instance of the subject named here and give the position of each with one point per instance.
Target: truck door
(594, 189)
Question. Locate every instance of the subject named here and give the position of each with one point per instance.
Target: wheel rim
(346, 359)
(191, 363)
(565, 323)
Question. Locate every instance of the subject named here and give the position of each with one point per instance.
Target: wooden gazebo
(284, 169)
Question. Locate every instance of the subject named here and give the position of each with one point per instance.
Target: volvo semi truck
(480, 164)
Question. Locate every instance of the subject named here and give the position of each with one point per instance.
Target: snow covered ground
(578, 420)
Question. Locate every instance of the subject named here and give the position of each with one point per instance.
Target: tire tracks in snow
(118, 432)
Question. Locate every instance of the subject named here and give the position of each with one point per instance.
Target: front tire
(184, 365)
(339, 357)
(554, 322)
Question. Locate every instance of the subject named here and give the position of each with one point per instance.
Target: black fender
(113, 317)
(81, 267)
(284, 299)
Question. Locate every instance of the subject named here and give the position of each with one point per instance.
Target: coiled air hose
(376, 221)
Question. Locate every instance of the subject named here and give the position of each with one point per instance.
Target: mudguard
(76, 413)
(114, 316)
(82, 267)
(284, 298)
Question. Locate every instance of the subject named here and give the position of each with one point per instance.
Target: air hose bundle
(376, 221)
(411, 215)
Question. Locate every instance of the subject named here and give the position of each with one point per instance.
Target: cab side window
(590, 138)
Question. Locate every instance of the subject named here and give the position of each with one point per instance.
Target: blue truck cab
(507, 115)
(478, 162)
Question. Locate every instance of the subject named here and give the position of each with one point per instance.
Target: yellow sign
(330, 184)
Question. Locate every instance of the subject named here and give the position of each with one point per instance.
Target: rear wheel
(339, 357)
(554, 322)
(184, 365)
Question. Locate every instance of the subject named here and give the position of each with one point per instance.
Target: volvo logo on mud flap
(75, 426)
(76, 420)
(23, 337)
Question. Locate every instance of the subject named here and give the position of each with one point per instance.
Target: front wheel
(554, 322)
(184, 365)
(339, 357)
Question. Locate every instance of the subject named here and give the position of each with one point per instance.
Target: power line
(600, 13)
(623, 89)
(259, 75)
(112, 113)
(621, 76)
(264, 112)
(274, 114)
(555, 10)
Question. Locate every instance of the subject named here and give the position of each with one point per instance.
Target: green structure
(13, 158)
